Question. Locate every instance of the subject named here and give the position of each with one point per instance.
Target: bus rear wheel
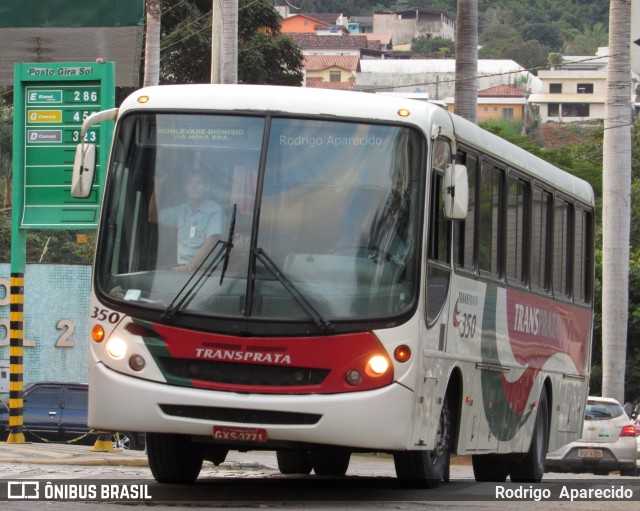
(489, 468)
(294, 462)
(531, 468)
(425, 469)
(174, 458)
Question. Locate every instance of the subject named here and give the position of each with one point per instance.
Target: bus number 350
(468, 325)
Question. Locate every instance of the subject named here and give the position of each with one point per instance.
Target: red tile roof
(320, 62)
(319, 83)
(502, 91)
(310, 41)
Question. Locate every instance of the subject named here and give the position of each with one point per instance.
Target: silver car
(608, 442)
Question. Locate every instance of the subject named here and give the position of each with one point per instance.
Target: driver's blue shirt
(194, 226)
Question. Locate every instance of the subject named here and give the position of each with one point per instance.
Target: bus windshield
(262, 218)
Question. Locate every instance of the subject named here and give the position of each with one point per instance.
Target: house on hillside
(574, 90)
(406, 25)
(361, 24)
(331, 71)
(497, 103)
(312, 44)
(385, 40)
(303, 23)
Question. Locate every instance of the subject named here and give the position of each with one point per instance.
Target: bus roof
(353, 105)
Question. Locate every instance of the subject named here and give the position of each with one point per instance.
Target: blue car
(57, 412)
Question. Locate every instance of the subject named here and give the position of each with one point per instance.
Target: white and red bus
(379, 275)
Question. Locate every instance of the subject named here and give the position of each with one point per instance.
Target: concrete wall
(56, 312)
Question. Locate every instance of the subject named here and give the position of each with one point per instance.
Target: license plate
(589, 453)
(240, 434)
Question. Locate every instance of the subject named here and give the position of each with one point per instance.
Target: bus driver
(199, 220)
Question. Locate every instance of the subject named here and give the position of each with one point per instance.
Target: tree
(265, 55)
(529, 54)
(588, 41)
(152, 43)
(432, 47)
(466, 89)
(6, 151)
(547, 34)
(186, 44)
(616, 202)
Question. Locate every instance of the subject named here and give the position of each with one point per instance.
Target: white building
(436, 77)
(574, 91)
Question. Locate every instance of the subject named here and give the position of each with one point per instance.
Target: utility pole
(616, 205)
(224, 41)
(152, 43)
(466, 88)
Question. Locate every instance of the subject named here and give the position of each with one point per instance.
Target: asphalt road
(251, 481)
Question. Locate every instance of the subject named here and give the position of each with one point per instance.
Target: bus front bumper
(380, 419)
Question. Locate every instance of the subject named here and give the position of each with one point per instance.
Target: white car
(608, 442)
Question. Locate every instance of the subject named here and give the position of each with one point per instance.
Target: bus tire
(489, 468)
(294, 462)
(331, 461)
(173, 458)
(426, 469)
(530, 469)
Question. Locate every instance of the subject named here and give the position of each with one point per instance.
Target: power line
(490, 75)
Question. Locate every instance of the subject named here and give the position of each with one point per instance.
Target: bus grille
(242, 416)
(234, 373)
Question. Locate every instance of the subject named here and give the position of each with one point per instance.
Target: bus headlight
(378, 365)
(116, 348)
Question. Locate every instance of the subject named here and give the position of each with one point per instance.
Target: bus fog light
(116, 348)
(378, 365)
(136, 362)
(354, 377)
(402, 353)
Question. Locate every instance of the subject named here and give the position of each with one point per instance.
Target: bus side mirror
(84, 167)
(456, 192)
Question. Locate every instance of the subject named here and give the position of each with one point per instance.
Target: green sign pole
(50, 102)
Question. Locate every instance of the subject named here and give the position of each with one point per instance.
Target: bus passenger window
(581, 257)
(517, 191)
(540, 239)
(562, 220)
(464, 230)
(489, 219)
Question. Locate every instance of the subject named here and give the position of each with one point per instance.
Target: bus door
(438, 251)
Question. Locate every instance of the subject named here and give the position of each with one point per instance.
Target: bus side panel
(512, 341)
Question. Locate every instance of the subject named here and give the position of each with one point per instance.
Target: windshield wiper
(273, 268)
(227, 250)
(189, 288)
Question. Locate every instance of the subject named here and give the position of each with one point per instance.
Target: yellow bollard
(104, 443)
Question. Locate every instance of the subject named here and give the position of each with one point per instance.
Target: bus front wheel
(174, 458)
(294, 462)
(331, 461)
(427, 468)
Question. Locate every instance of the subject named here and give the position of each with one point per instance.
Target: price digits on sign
(83, 96)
